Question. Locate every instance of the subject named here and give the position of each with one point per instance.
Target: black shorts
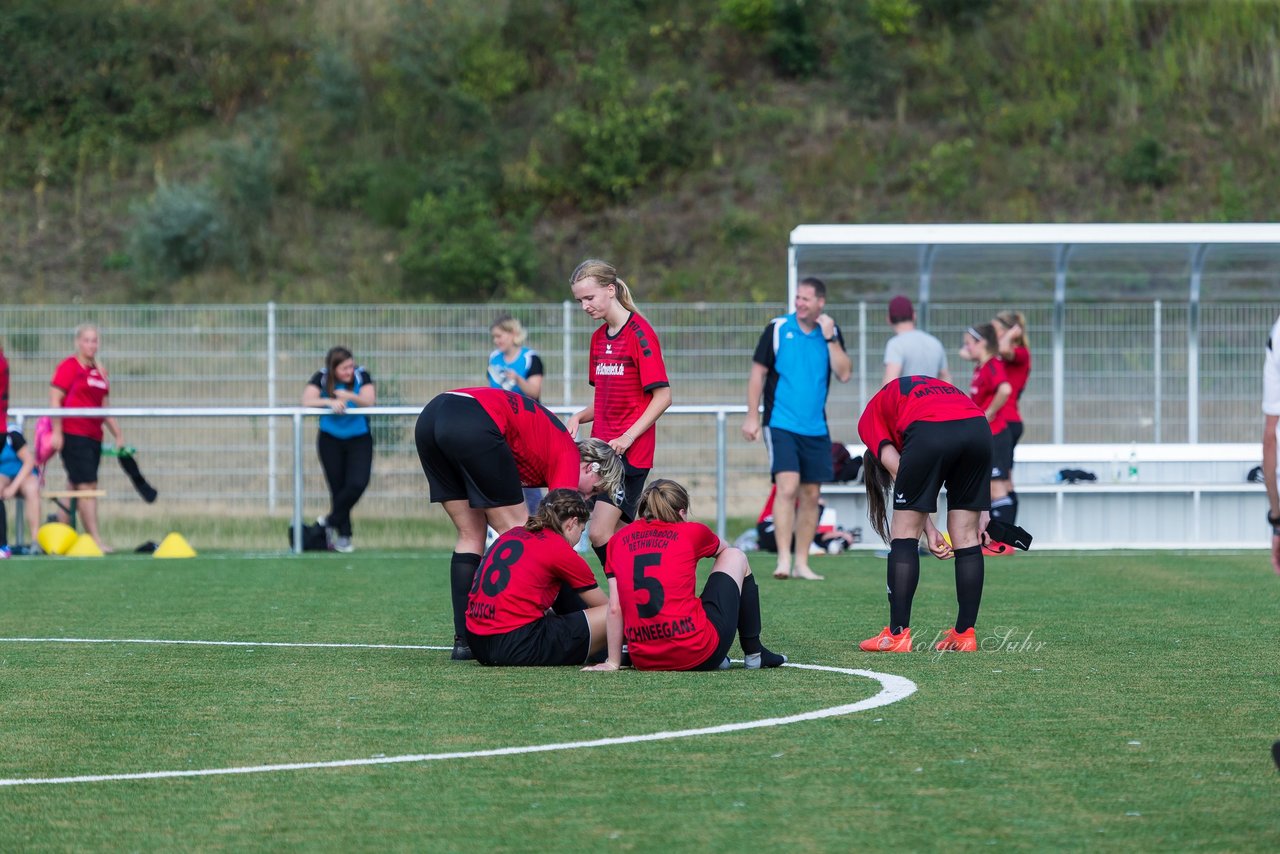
(548, 642)
(1015, 436)
(464, 455)
(632, 485)
(720, 599)
(1002, 455)
(80, 457)
(954, 453)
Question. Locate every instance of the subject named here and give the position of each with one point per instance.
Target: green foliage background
(180, 150)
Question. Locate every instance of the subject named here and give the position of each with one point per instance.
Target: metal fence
(1125, 367)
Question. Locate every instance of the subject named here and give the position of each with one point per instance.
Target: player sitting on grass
(652, 566)
(527, 571)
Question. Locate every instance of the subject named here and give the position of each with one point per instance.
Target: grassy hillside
(177, 150)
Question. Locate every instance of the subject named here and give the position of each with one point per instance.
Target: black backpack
(313, 538)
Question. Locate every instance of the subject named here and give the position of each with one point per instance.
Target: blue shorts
(809, 455)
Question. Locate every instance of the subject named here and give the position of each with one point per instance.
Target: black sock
(4, 525)
(1013, 515)
(601, 552)
(568, 601)
(969, 574)
(462, 574)
(749, 616)
(902, 577)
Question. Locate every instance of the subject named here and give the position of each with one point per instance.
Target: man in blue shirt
(791, 369)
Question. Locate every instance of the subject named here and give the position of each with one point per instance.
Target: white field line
(893, 688)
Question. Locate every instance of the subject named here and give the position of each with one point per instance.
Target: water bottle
(1133, 464)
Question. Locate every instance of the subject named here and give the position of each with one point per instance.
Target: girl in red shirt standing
(1015, 354)
(990, 390)
(631, 389)
(922, 433)
(653, 603)
(525, 572)
(80, 381)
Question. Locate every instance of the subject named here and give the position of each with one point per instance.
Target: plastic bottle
(1133, 463)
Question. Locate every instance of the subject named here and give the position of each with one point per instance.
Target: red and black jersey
(906, 400)
(545, 453)
(520, 577)
(986, 381)
(625, 369)
(1016, 368)
(655, 565)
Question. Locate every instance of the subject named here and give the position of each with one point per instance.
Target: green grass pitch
(1124, 700)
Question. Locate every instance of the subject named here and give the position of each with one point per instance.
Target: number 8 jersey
(655, 565)
(520, 577)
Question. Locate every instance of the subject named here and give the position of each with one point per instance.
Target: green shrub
(1147, 163)
(180, 230)
(459, 247)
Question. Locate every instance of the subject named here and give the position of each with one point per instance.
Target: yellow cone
(174, 545)
(56, 538)
(84, 547)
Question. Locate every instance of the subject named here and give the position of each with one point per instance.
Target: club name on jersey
(481, 610)
(612, 370)
(659, 631)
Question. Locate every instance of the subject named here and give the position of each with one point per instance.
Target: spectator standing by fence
(1271, 417)
(911, 351)
(1015, 354)
(345, 440)
(791, 370)
(990, 389)
(515, 367)
(80, 382)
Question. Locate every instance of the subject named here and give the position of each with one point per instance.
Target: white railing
(296, 414)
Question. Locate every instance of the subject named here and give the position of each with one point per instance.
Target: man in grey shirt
(912, 352)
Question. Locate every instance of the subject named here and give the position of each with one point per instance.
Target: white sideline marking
(893, 688)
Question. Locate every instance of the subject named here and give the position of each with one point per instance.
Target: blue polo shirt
(795, 389)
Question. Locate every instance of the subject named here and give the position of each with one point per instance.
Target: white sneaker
(343, 544)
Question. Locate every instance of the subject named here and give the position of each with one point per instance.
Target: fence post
(297, 483)
(721, 466)
(862, 354)
(1060, 342)
(272, 498)
(1193, 344)
(566, 354)
(1158, 373)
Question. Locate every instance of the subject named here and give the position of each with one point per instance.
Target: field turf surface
(1122, 701)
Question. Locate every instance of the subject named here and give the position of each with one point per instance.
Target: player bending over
(921, 433)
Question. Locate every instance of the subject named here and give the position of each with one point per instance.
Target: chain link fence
(1126, 368)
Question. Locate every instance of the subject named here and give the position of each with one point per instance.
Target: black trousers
(347, 464)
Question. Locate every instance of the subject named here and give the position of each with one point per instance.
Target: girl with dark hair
(922, 433)
(478, 448)
(527, 571)
(631, 389)
(1015, 355)
(653, 607)
(990, 390)
(345, 442)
